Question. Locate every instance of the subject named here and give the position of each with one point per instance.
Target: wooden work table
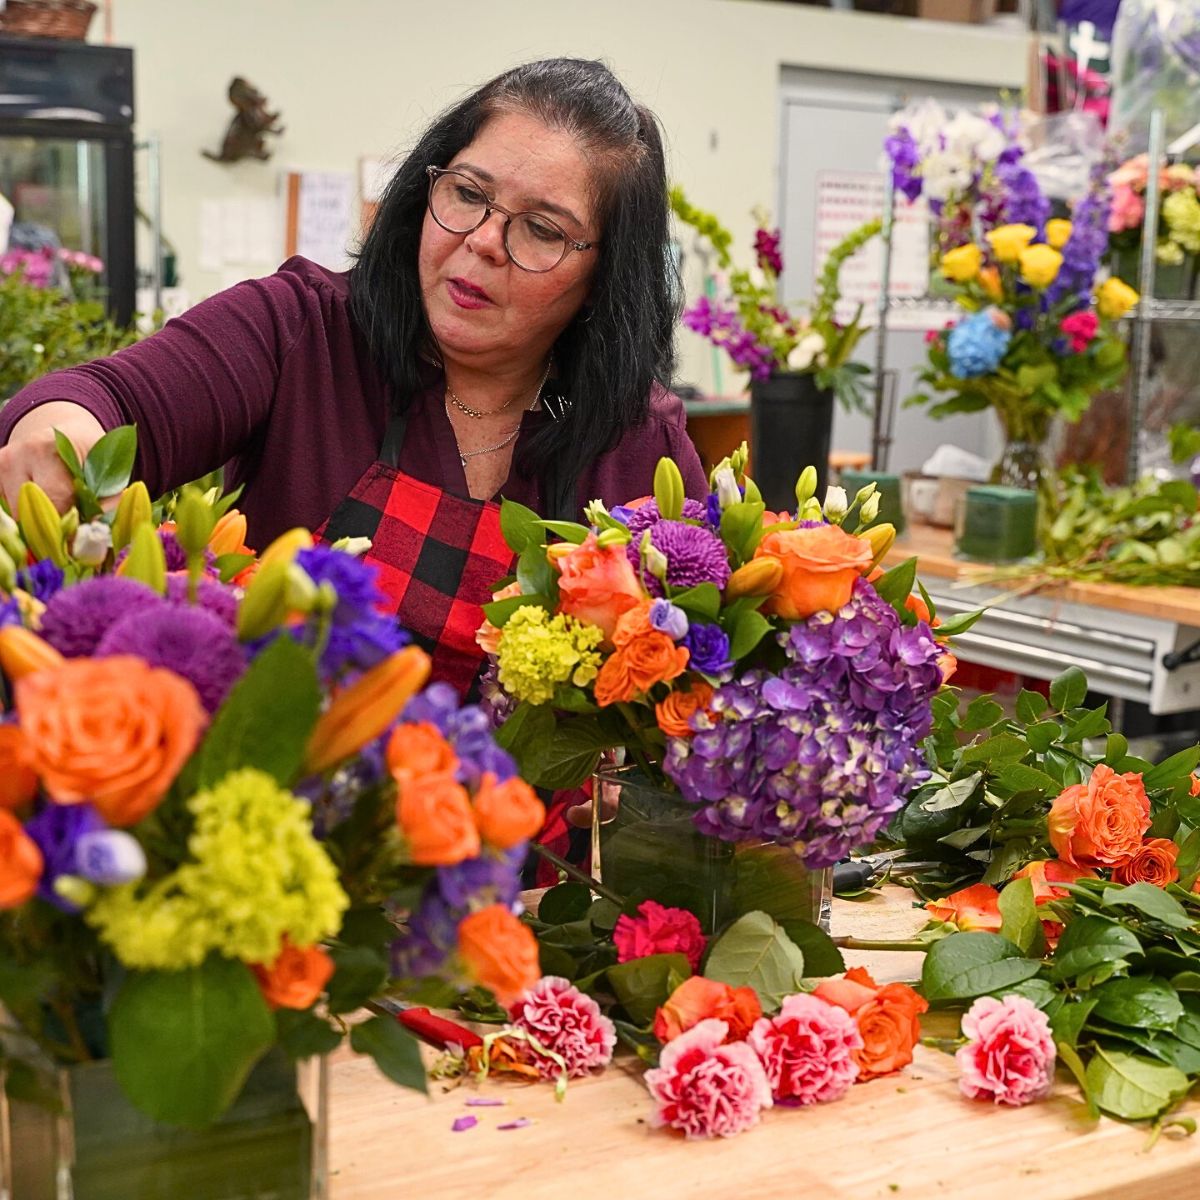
(908, 1135)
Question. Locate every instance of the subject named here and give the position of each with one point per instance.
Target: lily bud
(758, 577)
(597, 514)
(285, 547)
(880, 538)
(300, 593)
(75, 891)
(619, 536)
(806, 485)
(811, 510)
(264, 606)
(147, 561)
(865, 492)
(23, 653)
(194, 522)
(8, 571)
(229, 534)
(69, 523)
(358, 546)
(133, 509)
(669, 492)
(836, 504)
(40, 524)
(92, 543)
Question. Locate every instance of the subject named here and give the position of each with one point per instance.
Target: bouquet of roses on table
(219, 779)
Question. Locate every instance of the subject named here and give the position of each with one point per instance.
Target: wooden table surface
(909, 1135)
(934, 550)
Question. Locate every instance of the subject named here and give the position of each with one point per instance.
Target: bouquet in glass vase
(229, 810)
(765, 683)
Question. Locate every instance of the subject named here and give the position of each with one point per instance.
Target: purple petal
(461, 1123)
(485, 1102)
(519, 1123)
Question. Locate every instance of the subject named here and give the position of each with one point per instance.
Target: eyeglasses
(534, 242)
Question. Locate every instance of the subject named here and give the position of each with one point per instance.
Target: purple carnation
(220, 599)
(694, 555)
(76, 618)
(192, 642)
(708, 647)
(56, 831)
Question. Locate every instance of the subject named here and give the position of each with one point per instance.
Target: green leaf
(1031, 705)
(527, 726)
(394, 1049)
(604, 914)
(569, 531)
(982, 713)
(821, 955)
(1132, 1087)
(1152, 901)
(569, 757)
(25, 983)
(1069, 1021)
(642, 984)
(109, 464)
(521, 526)
(565, 902)
(1140, 1003)
(266, 719)
(229, 565)
(1042, 735)
(367, 926)
(750, 629)
(1069, 1055)
(66, 451)
(534, 572)
(703, 601)
(965, 965)
(1172, 769)
(555, 960)
(755, 952)
(498, 611)
(1003, 747)
(1017, 777)
(953, 626)
(897, 584)
(1068, 690)
(953, 795)
(1116, 749)
(183, 1042)
(359, 973)
(304, 1034)
(1020, 922)
(1092, 723)
(1087, 942)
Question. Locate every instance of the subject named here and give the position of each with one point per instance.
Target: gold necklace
(479, 414)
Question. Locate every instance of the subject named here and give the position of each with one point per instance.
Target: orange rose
(1153, 863)
(417, 750)
(676, 711)
(696, 999)
(614, 684)
(597, 584)
(112, 731)
(654, 658)
(820, 565)
(1045, 874)
(1100, 823)
(972, 909)
(296, 978)
(633, 624)
(947, 664)
(18, 780)
(487, 636)
(500, 953)
(888, 1018)
(20, 862)
(435, 818)
(507, 813)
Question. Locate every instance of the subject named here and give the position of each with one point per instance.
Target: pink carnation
(659, 930)
(808, 1050)
(1009, 1055)
(564, 1020)
(706, 1088)
(1081, 328)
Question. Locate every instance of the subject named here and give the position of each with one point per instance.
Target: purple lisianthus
(708, 649)
(76, 618)
(56, 831)
(976, 345)
(694, 555)
(109, 857)
(467, 727)
(670, 619)
(41, 580)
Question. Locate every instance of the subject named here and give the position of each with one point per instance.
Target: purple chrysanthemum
(640, 519)
(220, 599)
(192, 642)
(76, 618)
(56, 831)
(823, 752)
(694, 555)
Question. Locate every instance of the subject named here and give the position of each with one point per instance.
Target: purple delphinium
(76, 618)
(193, 642)
(901, 147)
(1087, 245)
(1023, 202)
(694, 554)
(823, 752)
(56, 831)
(767, 251)
(708, 649)
(42, 580)
(467, 727)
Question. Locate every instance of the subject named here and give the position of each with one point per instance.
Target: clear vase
(272, 1142)
(645, 846)
(1022, 462)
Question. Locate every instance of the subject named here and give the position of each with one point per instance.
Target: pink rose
(1009, 1055)
(808, 1050)
(1127, 211)
(1081, 328)
(597, 584)
(707, 1088)
(564, 1020)
(659, 930)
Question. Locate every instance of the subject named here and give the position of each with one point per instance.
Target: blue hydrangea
(977, 345)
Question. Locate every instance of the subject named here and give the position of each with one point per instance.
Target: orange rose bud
(361, 712)
(499, 952)
(1153, 863)
(633, 624)
(820, 565)
(112, 731)
(229, 534)
(1100, 823)
(18, 779)
(972, 909)
(759, 577)
(614, 684)
(296, 978)
(596, 583)
(696, 999)
(888, 1018)
(435, 818)
(20, 862)
(507, 813)
(22, 652)
(654, 658)
(674, 714)
(417, 750)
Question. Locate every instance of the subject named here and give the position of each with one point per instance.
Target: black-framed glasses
(533, 241)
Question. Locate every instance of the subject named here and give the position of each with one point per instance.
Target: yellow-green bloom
(1058, 232)
(537, 652)
(962, 263)
(1169, 253)
(1007, 241)
(256, 873)
(1181, 212)
(1114, 298)
(1040, 266)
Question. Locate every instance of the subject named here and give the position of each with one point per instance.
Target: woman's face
(482, 308)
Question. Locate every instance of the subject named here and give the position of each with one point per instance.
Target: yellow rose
(1058, 232)
(1114, 298)
(1040, 265)
(962, 263)
(1008, 241)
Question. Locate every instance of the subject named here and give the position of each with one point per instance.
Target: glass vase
(645, 846)
(272, 1142)
(1022, 462)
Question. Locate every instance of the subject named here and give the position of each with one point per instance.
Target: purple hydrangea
(76, 618)
(192, 642)
(478, 882)
(694, 554)
(56, 831)
(430, 937)
(708, 647)
(976, 345)
(821, 753)
(467, 727)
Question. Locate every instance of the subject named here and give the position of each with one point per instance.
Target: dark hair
(607, 363)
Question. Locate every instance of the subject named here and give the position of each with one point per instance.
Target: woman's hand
(31, 453)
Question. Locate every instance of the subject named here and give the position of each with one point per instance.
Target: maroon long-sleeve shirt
(272, 377)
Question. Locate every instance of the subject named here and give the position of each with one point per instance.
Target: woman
(506, 331)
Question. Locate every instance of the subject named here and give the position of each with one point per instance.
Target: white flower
(945, 174)
(726, 486)
(974, 136)
(836, 502)
(870, 508)
(92, 543)
(808, 352)
(925, 121)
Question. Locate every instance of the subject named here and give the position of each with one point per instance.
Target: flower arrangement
(1178, 236)
(761, 336)
(219, 774)
(760, 663)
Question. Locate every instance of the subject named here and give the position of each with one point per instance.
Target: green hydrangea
(537, 652)
(256, 873)
(1181, 211)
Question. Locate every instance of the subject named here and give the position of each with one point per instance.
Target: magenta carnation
(564, 1020)
(659, 930)
(217, 598)
(707, 1088)
(807, 1050)
(192, 642)
(76, 618)
(1009, 1055)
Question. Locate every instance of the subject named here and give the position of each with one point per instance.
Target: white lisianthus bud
(726, 486)
(358, 546)
(864, 492)
(836, 504)
(653, 559)
(595, 511)
(870, 508)
(91, 544)
(109, 857)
